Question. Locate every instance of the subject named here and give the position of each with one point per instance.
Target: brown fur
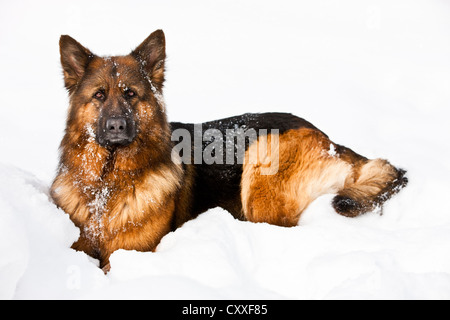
(311, 165)
(129, 195)
(122, 197)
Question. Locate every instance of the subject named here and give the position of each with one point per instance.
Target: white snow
(372, 75)
(91, 133)
(332, 151)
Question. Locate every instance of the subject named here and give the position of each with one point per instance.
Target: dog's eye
(100, 95)
(130, 93)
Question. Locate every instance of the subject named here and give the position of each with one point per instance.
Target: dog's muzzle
(117, 131)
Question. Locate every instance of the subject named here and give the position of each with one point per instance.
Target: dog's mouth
(115, 141)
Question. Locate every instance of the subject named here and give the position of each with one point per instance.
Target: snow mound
(389, 256)
(35, 239)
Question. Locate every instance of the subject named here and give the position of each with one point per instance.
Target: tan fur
(373, 182)
(372, 178)
(306, 172)
(120, 215)
(310, 167)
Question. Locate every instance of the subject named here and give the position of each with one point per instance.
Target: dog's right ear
(74, 60)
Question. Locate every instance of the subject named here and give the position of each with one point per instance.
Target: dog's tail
(371, 183)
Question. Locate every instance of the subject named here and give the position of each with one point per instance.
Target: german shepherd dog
(123, 185)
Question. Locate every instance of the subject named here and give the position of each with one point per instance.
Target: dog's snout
(116, 131)
(116, 125)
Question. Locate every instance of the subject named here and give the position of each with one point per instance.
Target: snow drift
(327, 257)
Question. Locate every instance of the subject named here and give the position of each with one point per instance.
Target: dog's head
(115, 101)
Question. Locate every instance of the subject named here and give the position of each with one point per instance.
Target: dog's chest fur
(113, 210)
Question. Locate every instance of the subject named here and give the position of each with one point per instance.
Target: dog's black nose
(116, 131)
(116, 126)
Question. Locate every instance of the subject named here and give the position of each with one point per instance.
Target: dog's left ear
(152, 55)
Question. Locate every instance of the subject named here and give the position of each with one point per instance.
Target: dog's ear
(152, 55)
(74, 60)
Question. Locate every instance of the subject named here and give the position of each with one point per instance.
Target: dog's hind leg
(308, 168)
(310, 165)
